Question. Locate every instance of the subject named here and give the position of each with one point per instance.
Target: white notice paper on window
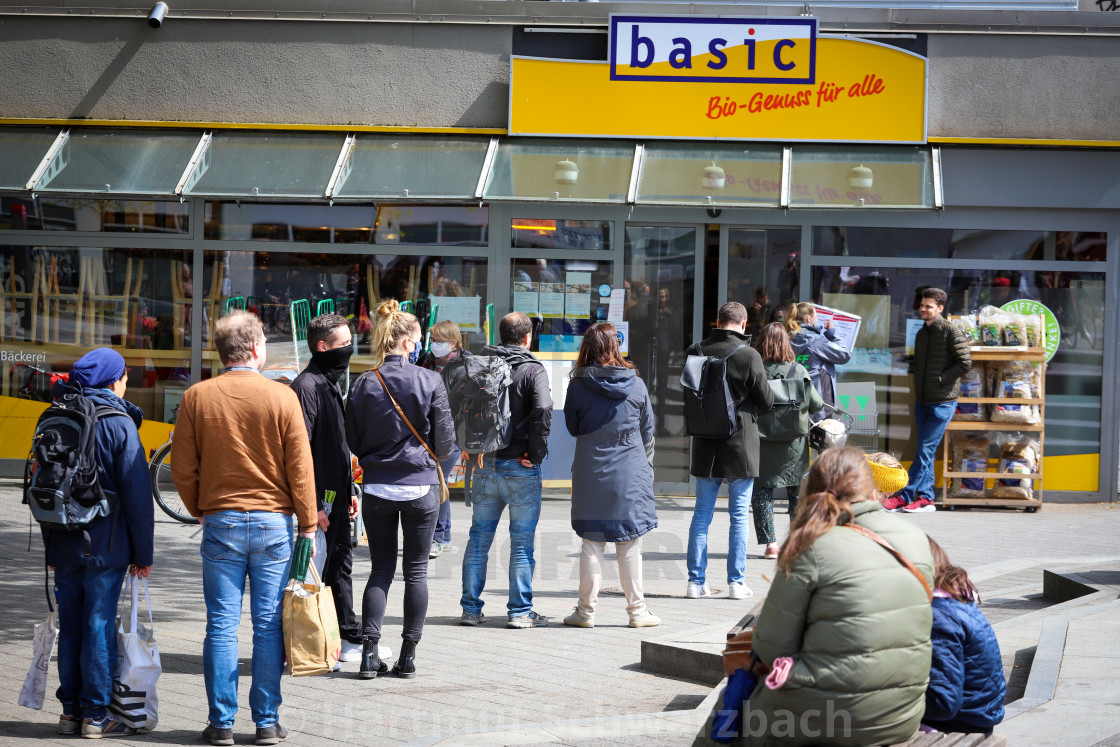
(845, 324)
(526, 298)
(463, 310)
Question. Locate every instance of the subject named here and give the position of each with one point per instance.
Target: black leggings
(418, 520)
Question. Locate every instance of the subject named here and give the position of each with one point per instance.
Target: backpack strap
(736, 349)
(902, 559)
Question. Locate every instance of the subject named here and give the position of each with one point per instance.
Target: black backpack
(709, 408)
(60, 481)
(478, 393)
(789, 418)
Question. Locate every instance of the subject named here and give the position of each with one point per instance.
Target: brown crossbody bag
(444, 493)
(898, 556)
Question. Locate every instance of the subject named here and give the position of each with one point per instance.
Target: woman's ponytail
(390, 325)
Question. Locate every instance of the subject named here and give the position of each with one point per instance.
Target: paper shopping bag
(35, 686)
(311, 641)
(134, 700)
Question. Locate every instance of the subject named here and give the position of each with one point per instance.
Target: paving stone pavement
(479, 679)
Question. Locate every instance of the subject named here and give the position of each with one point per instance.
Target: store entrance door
(664, 279)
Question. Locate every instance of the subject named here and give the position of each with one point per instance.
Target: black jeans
(336, 571)
(418, 522)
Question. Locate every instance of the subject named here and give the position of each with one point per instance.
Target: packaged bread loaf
(1019, 457)
(1014, 380)
(972, 385)
(969, 455)
(991, 326)
(1015, 330)
(1034, 330)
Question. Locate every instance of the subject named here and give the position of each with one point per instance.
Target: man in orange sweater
(242, 463)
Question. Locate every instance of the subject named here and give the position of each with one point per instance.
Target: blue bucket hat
(98, 368)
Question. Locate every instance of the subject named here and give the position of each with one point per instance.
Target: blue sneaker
(106, 726)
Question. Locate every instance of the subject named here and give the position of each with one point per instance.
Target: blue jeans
(443, 521)
(500, 483)
(929, 427)
(235, 545)
(738, 506)
(87, 637)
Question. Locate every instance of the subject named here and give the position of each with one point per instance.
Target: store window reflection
(561, 297)
(56, 303)
(660, 280)
(83, 214)
(763, 272)
(287, 288)
(887, 301)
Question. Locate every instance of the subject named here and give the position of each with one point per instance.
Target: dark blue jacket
(966, 683)
(386, 449)
(608, 411)
(125, 536)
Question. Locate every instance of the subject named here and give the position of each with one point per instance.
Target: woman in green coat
(782, 462)
(845, 626)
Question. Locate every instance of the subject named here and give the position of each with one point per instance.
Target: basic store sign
(727, 78)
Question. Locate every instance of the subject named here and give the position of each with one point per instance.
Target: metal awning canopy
(365, 167)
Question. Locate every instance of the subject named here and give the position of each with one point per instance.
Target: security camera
(157, 14)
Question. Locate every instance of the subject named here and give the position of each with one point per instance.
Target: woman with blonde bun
(400, 475)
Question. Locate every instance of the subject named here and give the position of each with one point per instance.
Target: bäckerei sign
(725, 78)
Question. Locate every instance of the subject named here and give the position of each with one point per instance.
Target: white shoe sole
(923, 510)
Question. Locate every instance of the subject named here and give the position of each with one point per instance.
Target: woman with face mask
(399, 424)
(447, 346)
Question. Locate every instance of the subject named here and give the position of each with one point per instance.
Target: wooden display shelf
(1030, 505)
(994, 475)
(987, 425)
(1007, 353)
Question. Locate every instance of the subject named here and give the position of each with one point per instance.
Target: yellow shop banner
(704, 82)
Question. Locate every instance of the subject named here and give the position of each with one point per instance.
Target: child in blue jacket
(966, 683)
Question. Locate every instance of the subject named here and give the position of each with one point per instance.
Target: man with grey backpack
(87, 456)
(730, 455)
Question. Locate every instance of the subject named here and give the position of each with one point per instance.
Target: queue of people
(251, 453)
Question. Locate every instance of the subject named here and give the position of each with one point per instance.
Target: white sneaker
(350, 651)
(645, 620)
(736, 590)
(695, 591)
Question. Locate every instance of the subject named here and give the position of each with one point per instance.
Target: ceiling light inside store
(860, 177)
(714, 177)
(566, 172)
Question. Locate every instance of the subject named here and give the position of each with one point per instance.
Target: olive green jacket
(857, 625)
(941, 358)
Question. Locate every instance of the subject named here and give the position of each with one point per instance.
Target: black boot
(372, 666)
(406, 664)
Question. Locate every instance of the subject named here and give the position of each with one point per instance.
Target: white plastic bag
(134, 701)
(35, 686)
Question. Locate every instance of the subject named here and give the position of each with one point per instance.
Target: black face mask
(334, 363)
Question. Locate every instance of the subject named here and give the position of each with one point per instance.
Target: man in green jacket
(940, 358)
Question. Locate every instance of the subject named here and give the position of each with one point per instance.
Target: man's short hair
(731, 312)
(234, 336)
(322, 328)
(513, 328)
(938, 295)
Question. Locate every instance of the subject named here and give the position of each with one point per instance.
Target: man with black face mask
(317, 387)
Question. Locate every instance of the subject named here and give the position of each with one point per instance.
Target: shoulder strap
(898, 556)
(432, 454)
(791, 370)
(738, 347)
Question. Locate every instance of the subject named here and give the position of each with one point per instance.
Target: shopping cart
(864, 434)
(832, 431)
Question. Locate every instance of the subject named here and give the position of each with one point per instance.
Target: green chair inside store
(326, 306)
(301, 317)
(235, 303)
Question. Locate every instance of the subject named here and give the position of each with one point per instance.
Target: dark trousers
(336, 572)
(417, 520)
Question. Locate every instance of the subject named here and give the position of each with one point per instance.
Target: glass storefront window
(273, 164)
(562, 298)
(660, 283)
(763, 272)
(875, 241)
(888, 302)
(563, 170)
(57, 303)
(541, 233)
(442, 225)
(21, 151)
(682, 174)
(79, 214)
(415, 166)
(268, 283)
(121, 161)
(897, 176)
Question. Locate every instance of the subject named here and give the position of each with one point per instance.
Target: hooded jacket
(530, 404)
(966, 683)
(387, 451)
(125, 536)
(857, 625)
(608, 410)
(820, 353)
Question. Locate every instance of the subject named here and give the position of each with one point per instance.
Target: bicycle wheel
(163, 488)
